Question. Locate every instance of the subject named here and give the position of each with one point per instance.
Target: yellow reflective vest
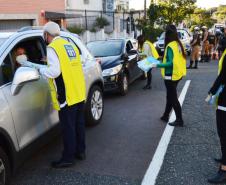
(221, 62)
(179, 62)
(72, 73)
(153, 49)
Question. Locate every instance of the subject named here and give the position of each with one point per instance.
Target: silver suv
(26, 112)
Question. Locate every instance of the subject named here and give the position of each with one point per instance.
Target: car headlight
(112, 71)
(155, 44)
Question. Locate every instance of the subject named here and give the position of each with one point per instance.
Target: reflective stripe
(168, 77)
(63, 104)
(221, 108)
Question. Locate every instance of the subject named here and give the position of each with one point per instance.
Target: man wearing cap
(67, 86)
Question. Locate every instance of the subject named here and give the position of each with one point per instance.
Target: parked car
(184, 36)
(25, 103)
(118, 60)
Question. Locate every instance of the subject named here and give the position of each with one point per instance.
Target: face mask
(21, 59)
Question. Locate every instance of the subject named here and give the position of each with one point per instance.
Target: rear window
(105, 48)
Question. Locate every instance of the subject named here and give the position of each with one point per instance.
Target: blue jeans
(73, 130)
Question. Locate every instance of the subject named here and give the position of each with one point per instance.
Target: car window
(105, 48)
(6, 71)
(34, 49)
(129, 46)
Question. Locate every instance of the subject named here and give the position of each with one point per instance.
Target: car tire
(124, 85)
(5, 171)
(94, 106)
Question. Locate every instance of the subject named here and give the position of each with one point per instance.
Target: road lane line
(157, 160)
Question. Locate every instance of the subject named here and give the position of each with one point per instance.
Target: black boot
(202, 58)
(196, 64)
(177, 123)
(147, 87)
(206, 58)
(165, 118)
(219, 178)
(190, 66)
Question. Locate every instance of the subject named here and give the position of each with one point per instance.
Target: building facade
(15, 14)
(122, 5)
(96, 5)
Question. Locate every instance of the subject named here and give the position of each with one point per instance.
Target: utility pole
(145, 9)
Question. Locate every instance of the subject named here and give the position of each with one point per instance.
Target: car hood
(109, 62)
(160, 42)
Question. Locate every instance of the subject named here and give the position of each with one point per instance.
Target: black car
(118, 59)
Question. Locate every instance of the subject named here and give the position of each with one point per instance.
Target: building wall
(85, 4)
(29, 9)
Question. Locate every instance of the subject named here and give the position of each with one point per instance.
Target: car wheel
(124, 85)
(4, 168)
(94, 106)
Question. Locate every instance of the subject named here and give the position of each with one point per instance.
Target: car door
(31, 108)
(132, 59)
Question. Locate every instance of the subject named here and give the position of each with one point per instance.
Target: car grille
(161, 45)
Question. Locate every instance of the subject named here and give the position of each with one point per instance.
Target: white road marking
(157, 161)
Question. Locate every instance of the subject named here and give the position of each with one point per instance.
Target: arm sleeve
(53, 69)
(221, 79)
(169, 59)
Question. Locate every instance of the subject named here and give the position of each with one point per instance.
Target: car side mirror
(132, 52)
(23, 75)
(124, 56)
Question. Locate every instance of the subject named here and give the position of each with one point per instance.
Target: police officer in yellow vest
(173, 70)
(220, 177)
(149, 50)
(67, 85)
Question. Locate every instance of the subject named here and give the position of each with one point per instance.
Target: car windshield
(2, 40)
(162, 37)
(105, 48)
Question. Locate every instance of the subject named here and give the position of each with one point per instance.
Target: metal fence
(118, 21)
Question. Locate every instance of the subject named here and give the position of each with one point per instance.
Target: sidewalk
(189, 158)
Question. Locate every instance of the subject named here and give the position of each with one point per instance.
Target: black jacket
(222, 43)
(221, 80)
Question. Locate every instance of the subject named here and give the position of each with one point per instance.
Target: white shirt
(53, 69)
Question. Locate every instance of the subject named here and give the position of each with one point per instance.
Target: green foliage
(201, 17)
(175, 11)
(76, 29)
(101, 22)
(221, 13)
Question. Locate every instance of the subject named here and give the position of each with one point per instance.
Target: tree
(175, 11)
(220, 14)
(101, 22)
(201, 17)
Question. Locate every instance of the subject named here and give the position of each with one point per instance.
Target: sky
(139, 4)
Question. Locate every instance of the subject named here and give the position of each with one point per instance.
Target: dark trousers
(221, 129)
(149, 77)
(172, 100)
(73, 130)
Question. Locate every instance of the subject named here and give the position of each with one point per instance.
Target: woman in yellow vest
(173, 69)
(220, 177)
(149, 50)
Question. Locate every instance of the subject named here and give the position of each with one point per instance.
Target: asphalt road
(119, 150)
(189, 158)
